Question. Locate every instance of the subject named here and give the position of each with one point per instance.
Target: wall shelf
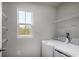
(67, 18)
(4, 15)
(4, 40)
(5, 28)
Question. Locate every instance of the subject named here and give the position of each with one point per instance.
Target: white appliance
(47, 50)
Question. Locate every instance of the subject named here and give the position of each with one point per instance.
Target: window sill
(24, 36)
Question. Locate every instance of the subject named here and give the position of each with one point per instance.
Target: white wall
(43, 28)
(72, 25)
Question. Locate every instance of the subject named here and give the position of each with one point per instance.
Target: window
(24, 23)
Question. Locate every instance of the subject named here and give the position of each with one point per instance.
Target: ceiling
(49, 3)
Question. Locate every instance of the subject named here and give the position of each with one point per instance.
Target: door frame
(0, 28)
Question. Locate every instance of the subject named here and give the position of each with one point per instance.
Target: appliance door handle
(62, 53)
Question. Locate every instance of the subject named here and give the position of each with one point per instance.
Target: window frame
(24, 36)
